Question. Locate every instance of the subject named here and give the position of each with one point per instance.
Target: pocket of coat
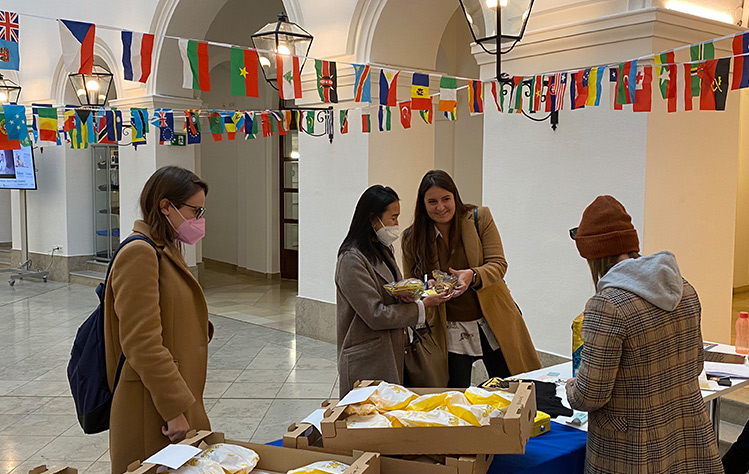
(610, 423)
(363, 346)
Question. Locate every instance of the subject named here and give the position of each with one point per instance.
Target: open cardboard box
(274, 459)
(506, 435)
(43, 469)
(306, 436)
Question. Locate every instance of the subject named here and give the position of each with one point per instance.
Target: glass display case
(106, 201)
(290, 204)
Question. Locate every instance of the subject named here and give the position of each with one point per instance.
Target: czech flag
(137, 51)
(77, 45)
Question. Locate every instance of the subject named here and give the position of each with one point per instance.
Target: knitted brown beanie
(606, 230)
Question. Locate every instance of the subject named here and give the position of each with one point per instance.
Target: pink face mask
(190, 231)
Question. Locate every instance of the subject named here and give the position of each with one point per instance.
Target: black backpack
(87, 369)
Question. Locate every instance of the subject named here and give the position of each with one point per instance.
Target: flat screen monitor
(17, 169)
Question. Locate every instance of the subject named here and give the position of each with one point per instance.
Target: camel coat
(370, 323)
(486, 257)
(155, 312)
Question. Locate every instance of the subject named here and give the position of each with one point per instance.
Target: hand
(465, 278)
(431, 283)
(408, 299)
(569, 382)
(435, 300)
(176, 428)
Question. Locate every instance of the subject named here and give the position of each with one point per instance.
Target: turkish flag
(405, 109)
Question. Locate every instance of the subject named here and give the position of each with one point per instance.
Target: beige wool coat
(486, 256)
(155, 312)
(370, 324)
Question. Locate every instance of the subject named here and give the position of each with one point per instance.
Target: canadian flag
(643, 89)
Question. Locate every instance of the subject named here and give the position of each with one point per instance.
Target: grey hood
(655, 278)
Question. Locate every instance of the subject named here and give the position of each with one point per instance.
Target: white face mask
(387, 234)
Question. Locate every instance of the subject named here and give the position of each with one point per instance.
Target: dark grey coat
(370, 323)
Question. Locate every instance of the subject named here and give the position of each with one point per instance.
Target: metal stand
(24, 269)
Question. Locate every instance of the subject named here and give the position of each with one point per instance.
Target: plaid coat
(638, 381)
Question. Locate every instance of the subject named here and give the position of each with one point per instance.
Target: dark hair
(175, 184)
(601, 266)
(361, 235)
(419, 236)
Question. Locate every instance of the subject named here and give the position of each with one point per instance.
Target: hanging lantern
(484, 17)
(283, 37)
(9, 91)
(92, 89)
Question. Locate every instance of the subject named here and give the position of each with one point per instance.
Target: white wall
(6, 234)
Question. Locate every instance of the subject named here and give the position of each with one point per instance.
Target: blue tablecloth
(560, 451)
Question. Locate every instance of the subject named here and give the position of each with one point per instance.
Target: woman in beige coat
(370, 323)
(156, 315)
(481, 320)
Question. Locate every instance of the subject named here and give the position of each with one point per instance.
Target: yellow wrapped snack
(389, 396)
(410, 288)
(444, 281)
(321, 467)
(479, 396)
(368, 421)
(436, 417)
(577, 342)
(362, 409)
(232, 458)
(198, 465)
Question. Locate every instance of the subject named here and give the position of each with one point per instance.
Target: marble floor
(261, 376)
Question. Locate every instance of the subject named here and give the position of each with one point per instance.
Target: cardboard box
(507, 435)
(274, 459)
(305, 436)
(43, 469)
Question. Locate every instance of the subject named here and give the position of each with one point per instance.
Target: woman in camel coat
(155, 313)
(445, 232)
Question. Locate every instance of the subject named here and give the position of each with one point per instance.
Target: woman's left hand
(465, 278)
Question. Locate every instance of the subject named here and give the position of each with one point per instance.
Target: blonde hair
(601, 266)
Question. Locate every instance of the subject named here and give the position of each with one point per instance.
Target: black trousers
(736, 460)
(459, 365)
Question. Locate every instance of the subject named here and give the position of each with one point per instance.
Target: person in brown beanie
(642, 354)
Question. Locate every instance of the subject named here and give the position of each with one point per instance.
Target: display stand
(24, 269)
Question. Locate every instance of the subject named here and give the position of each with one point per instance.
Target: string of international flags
(630, 83)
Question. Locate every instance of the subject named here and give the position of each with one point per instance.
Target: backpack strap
(476, 220)
(103, 287)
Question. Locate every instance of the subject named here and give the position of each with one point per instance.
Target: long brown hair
(601, 266)
(419, 236)
(175, 184)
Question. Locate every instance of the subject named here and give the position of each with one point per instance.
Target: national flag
(114, 125)
(740, 62)
(244, 78)
(80, 126)
(137, 54)
(195, 65)
(385, 118)
(9, 35)
(251, 122)
(5, 143)
(15, 122)
(627, 81)
(517, 94)
(101, 126)
(663, 71)
(327, 81)
(686, 89)
(289, 77)
(267, 128)
(216, 125)
(192, 126)
(47, 122)
(231, 119)
(344, 121)
(77, 45)
(34, 128)
(715, 84)
(279, 119)
(309, 122)
(420, 98)
(427, 115)
(536, 88)
(595, 88)
(699, 52)
(579, 86)
(497, 101)
(448, 95)
(68, 123)
(366, 124)
(389, 87)
(405, 113)
(362, 83)
(139, 124)
(164, 119)
(476, 97)
(555, 92)
(643, 89)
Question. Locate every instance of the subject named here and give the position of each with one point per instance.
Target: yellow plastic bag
(479, 396)
(429, 402)
(389, 396)
(436, 417)
(232, 458)
(321, 467)
(368, 421)
(197, 465)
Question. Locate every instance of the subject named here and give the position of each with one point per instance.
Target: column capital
(157, 100)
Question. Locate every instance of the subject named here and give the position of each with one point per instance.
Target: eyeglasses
(573, 232)
(199, 211)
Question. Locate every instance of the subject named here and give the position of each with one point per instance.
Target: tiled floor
(261, 377)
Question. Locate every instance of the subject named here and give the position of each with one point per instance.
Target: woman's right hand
(435, 300)
(176, 428)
